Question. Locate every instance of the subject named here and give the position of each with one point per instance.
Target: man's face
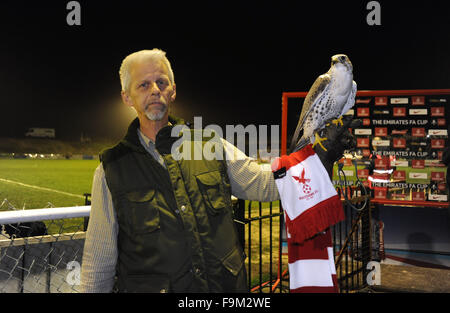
(150, 91)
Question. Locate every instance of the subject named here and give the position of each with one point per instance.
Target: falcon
(330, 97)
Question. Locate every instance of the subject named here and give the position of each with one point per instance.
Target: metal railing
(40, 263)
(354, 245)
(264, 254)
(39, 249)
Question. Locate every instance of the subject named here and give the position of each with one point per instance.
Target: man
(158, 224)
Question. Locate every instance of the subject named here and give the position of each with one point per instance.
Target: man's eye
(144, 85)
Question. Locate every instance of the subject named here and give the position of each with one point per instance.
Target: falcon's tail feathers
(295, 137)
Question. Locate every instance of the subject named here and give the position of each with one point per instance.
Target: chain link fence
(38, 253)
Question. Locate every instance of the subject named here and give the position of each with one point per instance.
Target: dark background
(232, 60)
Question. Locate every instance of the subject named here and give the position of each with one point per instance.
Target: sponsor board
(418, 132)
(380, 194)
(363, 131)
(363, 112)
(418, 163)
(399, 132)
(418, 100)
(363, 142)
(381, 131)
(365, 101)
(363, 173)
(418, 112)
(404, 136)
(437, 143)
(418, 196)
(400, 163)
(415, 175)
(399, 111)
(437, 111)
(399, 100)
(381, 143)
(366, 122)
(382, 163)
(399, 175)
(435, 197)
(399, 143)
(437, 132)
(381, 101)
(439, 100)
(438, 176)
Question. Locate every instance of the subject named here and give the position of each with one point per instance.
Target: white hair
(154, 54)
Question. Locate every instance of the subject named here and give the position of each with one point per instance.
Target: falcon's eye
(342, 58)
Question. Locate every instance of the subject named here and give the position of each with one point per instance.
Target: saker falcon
(330, 97)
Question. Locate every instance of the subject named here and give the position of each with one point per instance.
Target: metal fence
(46, 256)
(261, 229)
(355, 244)
(41, 250)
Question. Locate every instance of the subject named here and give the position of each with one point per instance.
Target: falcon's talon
(318, 141)
(338, 121)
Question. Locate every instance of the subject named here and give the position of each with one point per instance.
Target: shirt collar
(145, 139)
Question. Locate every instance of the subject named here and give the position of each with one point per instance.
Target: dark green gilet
(176, 229)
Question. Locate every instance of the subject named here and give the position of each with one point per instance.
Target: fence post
(366, 244)
(87, 201)
(238, 216)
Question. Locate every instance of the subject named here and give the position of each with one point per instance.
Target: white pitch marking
(40, 188)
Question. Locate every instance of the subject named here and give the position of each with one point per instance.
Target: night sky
(232, 60)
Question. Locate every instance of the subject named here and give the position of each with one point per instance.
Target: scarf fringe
(315, 220)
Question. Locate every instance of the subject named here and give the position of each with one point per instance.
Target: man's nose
(155, 89)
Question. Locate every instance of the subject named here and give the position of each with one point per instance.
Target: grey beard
(156, 116)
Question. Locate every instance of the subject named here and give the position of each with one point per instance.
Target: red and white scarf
(311, 205)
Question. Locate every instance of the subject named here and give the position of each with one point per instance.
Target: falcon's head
(341, 60)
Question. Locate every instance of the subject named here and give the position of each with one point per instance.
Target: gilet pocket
(234, 261)
(210, 185)
(143, 212)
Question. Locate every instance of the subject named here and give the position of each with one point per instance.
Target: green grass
(70, 176)
(263, 255)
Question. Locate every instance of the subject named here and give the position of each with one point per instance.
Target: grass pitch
(34, 183)
(40, 183)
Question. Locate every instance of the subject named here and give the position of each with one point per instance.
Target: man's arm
(249, 180)
(100, 249)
